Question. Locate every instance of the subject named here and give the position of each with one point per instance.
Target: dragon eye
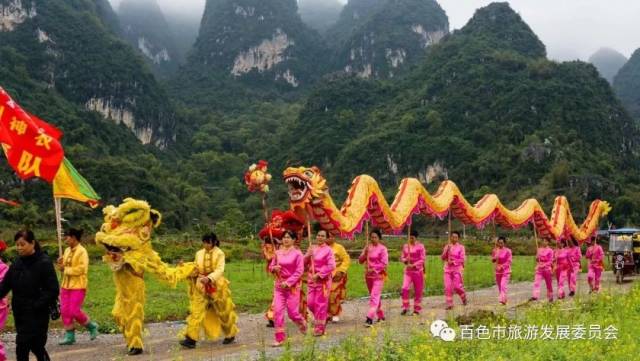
(308, 173)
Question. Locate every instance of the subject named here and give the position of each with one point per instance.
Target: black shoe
(188, 343)
(134, 351)
(533, 299)
(571, 294)
(228, 340)
(368, 322)
(382, 319)
(271, 324)
(404, 312)
(416, 313)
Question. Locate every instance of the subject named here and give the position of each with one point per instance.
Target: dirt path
(254, 338)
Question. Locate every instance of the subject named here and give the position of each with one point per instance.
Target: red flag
(31, 145)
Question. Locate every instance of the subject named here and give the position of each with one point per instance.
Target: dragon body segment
(308, 192)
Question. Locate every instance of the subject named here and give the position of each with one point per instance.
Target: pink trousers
(4, 312)
(375, 297)
(593, 277)
(417, 280)
(502, 281)
(547, 276)
(563, 276)
(71, 307)
(573, 277)
(453, 283)
(318, 303)
(288, 299)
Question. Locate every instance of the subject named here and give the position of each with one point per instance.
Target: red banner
(31, 145)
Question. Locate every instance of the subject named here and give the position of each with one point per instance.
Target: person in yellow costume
(339, 284)
(210, 305)
(126, 235)
(74, 265)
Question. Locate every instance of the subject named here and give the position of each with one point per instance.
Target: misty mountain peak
(608, 61)
(380, 38)
(146, 29)
(504, 28)
(261, 42)
(627, 85)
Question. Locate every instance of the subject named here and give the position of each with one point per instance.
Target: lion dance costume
(126, 234)
(210, 305)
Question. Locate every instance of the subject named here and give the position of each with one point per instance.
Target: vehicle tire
(619, 276)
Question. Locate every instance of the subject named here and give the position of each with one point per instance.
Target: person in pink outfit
(454, 257)
(502, 257)
(563, 267)
(575, 256)
(595, 255)
(544, 271)
(322, 263)
(288, 266)
(413, 256)
(376, 258)
(4, 304)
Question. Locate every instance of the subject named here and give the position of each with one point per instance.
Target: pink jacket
(563, 258)
(3, 271)
(595, 255)
(454, 257)
(323, 262)
(291, 264)
(545, 258)
(502, 258)
(415, 255)
(575, 256)
(378, 259)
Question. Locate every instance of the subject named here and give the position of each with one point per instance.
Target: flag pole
(58, 210)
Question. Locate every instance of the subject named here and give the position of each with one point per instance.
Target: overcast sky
(571, 29)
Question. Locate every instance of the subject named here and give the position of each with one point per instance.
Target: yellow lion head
(305, 185)
(128, 226)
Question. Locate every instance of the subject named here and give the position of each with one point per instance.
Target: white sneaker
(335, 319)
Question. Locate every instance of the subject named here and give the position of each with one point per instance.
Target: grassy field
(602, 311)
(251, 287)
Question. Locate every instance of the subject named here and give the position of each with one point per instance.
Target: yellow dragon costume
(308, 192)
(126, 234)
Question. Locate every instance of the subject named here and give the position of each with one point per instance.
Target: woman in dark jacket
(32, 280)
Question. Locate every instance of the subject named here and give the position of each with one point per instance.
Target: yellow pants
(128, 309)
(214, 313)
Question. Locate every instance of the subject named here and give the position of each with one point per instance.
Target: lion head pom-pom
(257, 177)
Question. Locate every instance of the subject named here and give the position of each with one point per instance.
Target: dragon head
(305, 185)
(128, 226)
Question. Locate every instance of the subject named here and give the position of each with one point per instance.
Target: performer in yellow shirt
(339, 284)
(74, 265)
(210, 304)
